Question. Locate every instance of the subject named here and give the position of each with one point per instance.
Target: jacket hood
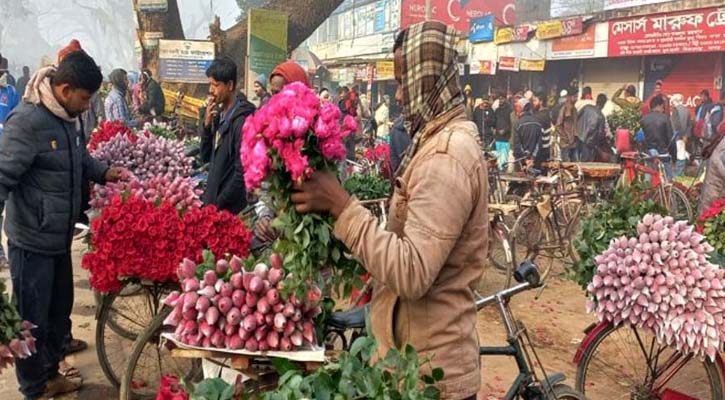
(245, 108)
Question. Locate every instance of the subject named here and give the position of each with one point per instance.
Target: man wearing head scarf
(115, 105)
(260, 89)
(428, 259)
(153, 96)
(285, 73)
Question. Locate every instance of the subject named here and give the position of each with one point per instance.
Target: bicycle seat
(350, 319)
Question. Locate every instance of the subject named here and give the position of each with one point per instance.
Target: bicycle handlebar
(527, 274)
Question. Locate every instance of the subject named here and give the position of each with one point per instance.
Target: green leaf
(432, 393)
(437, 374)
(283, 365)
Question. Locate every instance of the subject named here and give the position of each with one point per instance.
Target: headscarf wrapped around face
(118, 80)
(429, 78)
(291, 72)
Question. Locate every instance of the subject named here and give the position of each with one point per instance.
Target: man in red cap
(286, 73)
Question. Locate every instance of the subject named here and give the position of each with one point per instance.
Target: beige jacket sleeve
(440, 198)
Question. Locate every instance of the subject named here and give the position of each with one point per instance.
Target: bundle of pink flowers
(663, 281)
(295, 131)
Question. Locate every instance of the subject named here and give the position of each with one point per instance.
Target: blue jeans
(666, 161)
(43, 286)
(569, 155)
(680, 167)
(502, 148)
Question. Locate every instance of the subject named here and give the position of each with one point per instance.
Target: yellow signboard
(549, 30)
(532, 65)
(504, 34)
(385, 70)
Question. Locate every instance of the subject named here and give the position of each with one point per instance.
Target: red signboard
(693, 31)
(457, 13)
(508, 63)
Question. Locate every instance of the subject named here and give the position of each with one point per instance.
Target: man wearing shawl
(115, 105)
(431, 256)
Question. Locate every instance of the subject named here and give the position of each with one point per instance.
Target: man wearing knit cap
(260, 89)
(286, 73)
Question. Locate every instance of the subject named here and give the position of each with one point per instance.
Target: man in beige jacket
(429, 259)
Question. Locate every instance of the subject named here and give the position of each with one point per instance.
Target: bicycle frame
(635, 168)
(515, 334)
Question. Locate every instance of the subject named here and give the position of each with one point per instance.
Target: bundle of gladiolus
(146, 156)
(663, 281)
(16, 341)
(179, 191)
(221, 305)
(284, 142)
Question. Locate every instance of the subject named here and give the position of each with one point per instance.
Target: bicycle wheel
(628, 363)
(566, 392)
(499, 256)
(680, 207)
(121, 318)
(149, 361)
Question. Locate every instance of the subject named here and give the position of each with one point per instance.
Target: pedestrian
(682, 125)
(427, 263)
(285, 73)
(657, 92)
(556, 109)
(485, 119)
(226, 112)
(23, 80)
(503, 129)
(469, 103)
(658, 134)
(591, 132)
(543, 115)
(630, 99)
(566, 128)
(153, 97)
(9, 99)
(704, 106)
(529, 135)
(115, 105)
(260, 90)
(39, 232)
(324, 96)
(586, 98)
(713, 187)
(382, 118)
(714, 117)
(347, 103)
(4, 66)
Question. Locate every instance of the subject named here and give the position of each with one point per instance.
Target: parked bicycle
(528, 385)
(657, 187)
(626, 362)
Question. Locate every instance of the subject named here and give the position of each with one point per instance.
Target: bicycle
(547, 226)
(658, 189)
(626, 362)
(527, 385)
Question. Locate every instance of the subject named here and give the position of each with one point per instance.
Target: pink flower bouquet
(285, 142)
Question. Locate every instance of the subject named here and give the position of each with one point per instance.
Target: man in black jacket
(223, 121)
(485, 119)
(43, 159)
(153, 96)
(529, 135)
(658, 134)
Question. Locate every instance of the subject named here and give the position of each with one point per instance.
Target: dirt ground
(555, 321)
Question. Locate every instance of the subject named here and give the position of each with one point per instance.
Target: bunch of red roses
(136, 238)
(107, 130)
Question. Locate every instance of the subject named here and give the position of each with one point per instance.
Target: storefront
(685, 74)
(608, 75)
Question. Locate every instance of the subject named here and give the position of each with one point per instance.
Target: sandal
(68, 371)
(75, 346)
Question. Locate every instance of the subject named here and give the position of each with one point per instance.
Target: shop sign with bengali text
(384, 70)
(532, 65)
(557, 29)
(509, 34)
(457, 13)
(615, 4)
(482, 29)
(488, 67)
(693, 31)
(508, 63)
(267, 45)
(153, 5)
(574, 46)
(185, 60)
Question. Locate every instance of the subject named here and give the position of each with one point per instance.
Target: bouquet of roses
(711, 223)
(137, 238)
(107, 130)
(179, 191)
(285, 142)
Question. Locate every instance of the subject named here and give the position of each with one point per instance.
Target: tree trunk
(169, 23)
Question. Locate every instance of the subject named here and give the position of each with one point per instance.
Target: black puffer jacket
(155, 100)
(43, 160)
(225, 186)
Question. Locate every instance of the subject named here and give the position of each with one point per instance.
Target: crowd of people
(427, 258)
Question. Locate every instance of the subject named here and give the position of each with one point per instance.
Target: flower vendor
(429, 258)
